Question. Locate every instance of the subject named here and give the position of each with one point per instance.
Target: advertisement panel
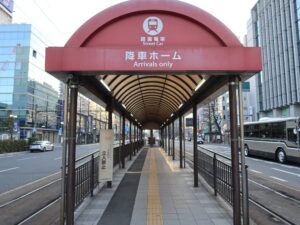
(8, 4)
(106, 155)
(189, 122)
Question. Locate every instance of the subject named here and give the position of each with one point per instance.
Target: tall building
(27, 93)
(6, 10)
(275, 27)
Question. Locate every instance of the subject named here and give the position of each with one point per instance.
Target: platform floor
(153, 191)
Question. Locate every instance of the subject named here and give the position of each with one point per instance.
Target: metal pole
(195, 145)
(120, 148)
(64, 157)
(130, 140)
(180, 140)
(234, 151)
(72, 154)
(169, 139)
(183, 141)
(134, 136)
(173, 141)
(244, 178)
(123, 142)
(110, 111)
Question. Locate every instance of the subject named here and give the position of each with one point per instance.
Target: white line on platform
(14, 168)
(276, 178)
(58, 158)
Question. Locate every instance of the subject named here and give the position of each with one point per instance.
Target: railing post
(215, 173)
(246, 211)
(92, 175)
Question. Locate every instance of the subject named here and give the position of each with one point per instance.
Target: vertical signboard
(106, 155)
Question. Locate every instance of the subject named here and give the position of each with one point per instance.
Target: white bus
(274, 138)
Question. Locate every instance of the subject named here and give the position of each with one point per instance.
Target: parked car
(41, 146)
(200, 141)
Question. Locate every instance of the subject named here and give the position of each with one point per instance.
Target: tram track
(19, 207)
(264, 195)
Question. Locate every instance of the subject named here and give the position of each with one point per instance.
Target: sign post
(106, 155)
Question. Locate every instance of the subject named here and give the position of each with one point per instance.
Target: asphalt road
(26, 167)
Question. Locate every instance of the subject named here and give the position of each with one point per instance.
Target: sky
(57, 20)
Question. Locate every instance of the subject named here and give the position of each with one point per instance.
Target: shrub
(12, 146)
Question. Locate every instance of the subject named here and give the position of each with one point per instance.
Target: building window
(34, 53)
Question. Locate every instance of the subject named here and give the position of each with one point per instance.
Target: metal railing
(217, 172)
(86, 179)
(87, 170)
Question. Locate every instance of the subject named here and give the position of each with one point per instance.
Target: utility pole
(34, 122)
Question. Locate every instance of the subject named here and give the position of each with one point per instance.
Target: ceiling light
(200, 84)
(105, 85)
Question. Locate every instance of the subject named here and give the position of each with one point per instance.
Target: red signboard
(174, 37)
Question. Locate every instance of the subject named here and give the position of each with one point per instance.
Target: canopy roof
(152, 55)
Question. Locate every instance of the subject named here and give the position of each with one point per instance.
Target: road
(26, 167)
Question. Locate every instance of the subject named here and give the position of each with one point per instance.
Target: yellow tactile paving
(154, 213)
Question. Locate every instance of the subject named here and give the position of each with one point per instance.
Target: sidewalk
(165, 195)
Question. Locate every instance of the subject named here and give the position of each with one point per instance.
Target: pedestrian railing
(87, 170)
(217, 172)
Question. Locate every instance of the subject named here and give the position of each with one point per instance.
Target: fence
(217, 172)
(87, 170)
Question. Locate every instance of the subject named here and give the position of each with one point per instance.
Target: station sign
(106, 155)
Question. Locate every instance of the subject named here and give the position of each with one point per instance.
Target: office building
(6, 10)
(275, 27)
(27, 93)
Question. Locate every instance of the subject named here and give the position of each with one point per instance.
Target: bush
(12, 146)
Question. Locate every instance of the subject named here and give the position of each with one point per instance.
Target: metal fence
(217, 171)
(87, 170)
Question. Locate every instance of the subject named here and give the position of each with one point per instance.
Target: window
(278, 130)
(291, 135)
(34, 53)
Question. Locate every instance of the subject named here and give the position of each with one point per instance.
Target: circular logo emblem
(152, 25)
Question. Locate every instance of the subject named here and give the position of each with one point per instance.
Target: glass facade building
(6, 10)
(27, 92)
(275, 26)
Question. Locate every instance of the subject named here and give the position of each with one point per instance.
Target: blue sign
(8, 4)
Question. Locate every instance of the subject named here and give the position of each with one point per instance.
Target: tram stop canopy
(152, 58)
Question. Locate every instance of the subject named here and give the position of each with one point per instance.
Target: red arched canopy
(153, 40)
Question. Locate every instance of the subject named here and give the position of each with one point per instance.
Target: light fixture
(200, 84)
(172, 114)
(105, 85)
(124, 106)
(180, 106)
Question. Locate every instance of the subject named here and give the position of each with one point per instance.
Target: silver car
(41, 146)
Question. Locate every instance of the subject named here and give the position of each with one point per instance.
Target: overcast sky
(59, 19)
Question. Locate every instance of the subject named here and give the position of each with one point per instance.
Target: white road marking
(28, 158)
(276, 178)
(14, 168)
(255, 171)
(257, 160)
(290, 167)
(284, 171)
(272, 163)
(58, 158)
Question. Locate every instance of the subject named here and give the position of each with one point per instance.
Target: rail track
(33, 204)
